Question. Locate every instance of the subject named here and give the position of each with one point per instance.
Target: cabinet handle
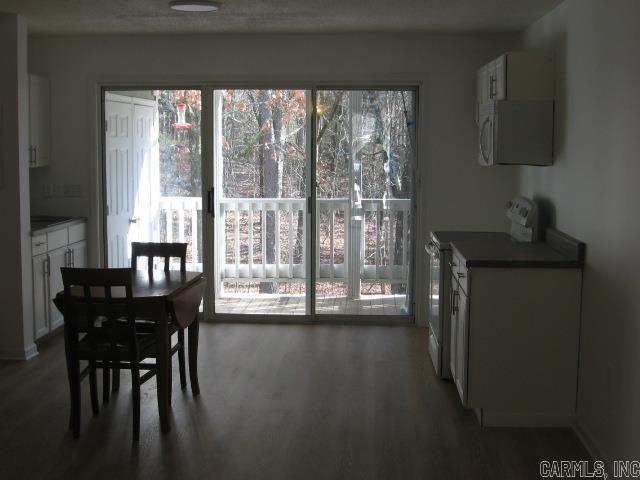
(31, 162)
(454, 304)
(492, 82)
(461, 275)
(47, 265)
(73, 258)
(35, 155)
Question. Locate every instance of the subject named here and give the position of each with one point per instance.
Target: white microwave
(515, 132)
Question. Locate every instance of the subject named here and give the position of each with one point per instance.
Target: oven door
(435, 291)
(434, 305)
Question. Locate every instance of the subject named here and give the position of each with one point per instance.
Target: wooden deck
(266, 304)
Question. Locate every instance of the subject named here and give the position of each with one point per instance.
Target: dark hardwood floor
(278, 402)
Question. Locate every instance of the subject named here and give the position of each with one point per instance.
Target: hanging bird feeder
(181, 124)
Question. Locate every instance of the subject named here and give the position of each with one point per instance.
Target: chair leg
(170, 377)
(74, 388)
(106, 384)
(135, 391)
(116, 379)
(93, 387)
(181, 361)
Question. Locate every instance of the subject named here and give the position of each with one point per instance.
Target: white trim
(19, 354)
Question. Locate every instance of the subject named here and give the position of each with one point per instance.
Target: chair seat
(146, 326)
(104, 349)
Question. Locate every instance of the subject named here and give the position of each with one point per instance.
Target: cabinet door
(500, 75)
(78, 255)
(40, 299)
(39, 121)
(57, 259)
(462, 346)
(483, 85)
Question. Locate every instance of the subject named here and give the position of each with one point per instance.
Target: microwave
(516, 132)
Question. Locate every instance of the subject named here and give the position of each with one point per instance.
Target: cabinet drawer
(57, 239)
(77, 232)
(38, 244)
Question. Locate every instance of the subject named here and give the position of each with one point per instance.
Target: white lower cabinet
(40, 295)
(47, 278)
(78, 255)
(57, 260)
(514, 343)
(459, 326)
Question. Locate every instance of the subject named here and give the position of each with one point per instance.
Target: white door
(119, 160)
(145, 174)
(131, 147)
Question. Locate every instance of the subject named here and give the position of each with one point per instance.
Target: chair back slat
(159, 250)
(91, 308)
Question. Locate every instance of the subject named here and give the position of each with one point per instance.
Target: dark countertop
(512, 254)
(446, 237)
(43, 223)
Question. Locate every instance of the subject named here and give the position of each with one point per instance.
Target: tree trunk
(271, 177)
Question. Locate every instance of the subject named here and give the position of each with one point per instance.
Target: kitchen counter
(512, 254)
(42, 224)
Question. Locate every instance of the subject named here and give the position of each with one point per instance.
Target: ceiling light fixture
(194, 5)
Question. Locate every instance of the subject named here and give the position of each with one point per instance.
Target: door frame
(406, 81)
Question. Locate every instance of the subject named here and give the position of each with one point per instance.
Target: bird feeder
(181, 124)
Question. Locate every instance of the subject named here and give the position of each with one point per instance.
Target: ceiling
(248, 16)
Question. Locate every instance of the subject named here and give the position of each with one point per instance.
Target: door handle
(211, 203)
(454, 304)
(134, 220)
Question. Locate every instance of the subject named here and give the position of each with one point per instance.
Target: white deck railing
(379, 236)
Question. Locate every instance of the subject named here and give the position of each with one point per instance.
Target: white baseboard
(588, 441)
(19, 354)
(538, 420)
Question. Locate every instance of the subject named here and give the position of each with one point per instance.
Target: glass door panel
(153, 179)
(364, 201)
(260, 188)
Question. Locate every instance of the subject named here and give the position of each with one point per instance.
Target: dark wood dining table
(155, 297)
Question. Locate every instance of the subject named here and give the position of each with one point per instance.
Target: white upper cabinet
(39, 121)
(516, 76)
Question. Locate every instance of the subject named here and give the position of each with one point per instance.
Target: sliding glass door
(364, 169)
(261, 159)
(313, 202)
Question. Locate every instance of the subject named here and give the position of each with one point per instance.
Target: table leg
(162, 367)
(194, 330)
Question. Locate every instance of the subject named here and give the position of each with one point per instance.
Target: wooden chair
(100, 327)
(167, 251)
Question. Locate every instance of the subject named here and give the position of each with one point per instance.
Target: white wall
(593, 193)
(16, 317)
(458, 194)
